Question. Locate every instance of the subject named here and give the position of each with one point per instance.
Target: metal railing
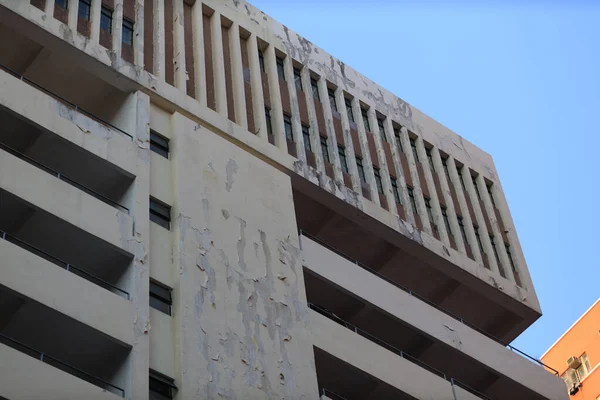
(62, 177)
(69, 267)
(63, 100)
(437, 307)
(395, 350)
(10, 342)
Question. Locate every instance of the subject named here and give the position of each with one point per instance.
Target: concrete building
(198, 203)
(576, 355)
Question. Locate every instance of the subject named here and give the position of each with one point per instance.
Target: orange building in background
(576, 355)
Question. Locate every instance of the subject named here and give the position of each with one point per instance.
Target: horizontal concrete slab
(65, 201)
(67, 293)
(23, 377)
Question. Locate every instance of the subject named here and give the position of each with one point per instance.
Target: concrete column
(138, 34)
(73, 15)
(258, 101)
(489, 208)
(179, 46)
(364, 145)
(218, 63)
(350, 152)
(96, 7)
(383, 168)
(436, 210)
(159, 39)
(483, 232)
(450, 206)
(49, 8)
(467, 221)
(412, 165)
(389, 128)
(314, 123)
(199, 59)
(296, 123)
(117, 29)
(276, 108)
(237, 76)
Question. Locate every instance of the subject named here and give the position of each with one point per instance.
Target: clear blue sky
(520, 79)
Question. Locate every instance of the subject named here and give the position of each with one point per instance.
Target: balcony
(395, 315)
(70, 360)
(58, 242)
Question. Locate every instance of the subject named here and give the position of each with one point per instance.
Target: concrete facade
(224, 210)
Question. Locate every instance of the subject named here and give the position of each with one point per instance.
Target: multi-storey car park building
(198, 203)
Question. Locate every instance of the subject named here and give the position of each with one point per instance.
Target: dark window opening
(268, 121)
(365, 118)
(378, 181)
(430, 158)
(413, 146)
(446, 170)
(280, 68)
(261, 61)
(127, 32)
(331, 94)
(160, 213)
(395, 190)
(461, 225)
(84, 10)
(489, 190)
(361, 169)
(446, 220)
(474, 180)
(159, 144)
(62, 3)
(397, 136)
(429, 211)
(380, 124)
(460, 176)
(297, 79)
(349, 110)
(106, 19)
(413, 201)
(287, 126)
(160, 297)
(510, 259)
(306, 137)
(476, 229)
(161, 386)
(315, 89)
(343, 160)
(493, 243)
(325, 150)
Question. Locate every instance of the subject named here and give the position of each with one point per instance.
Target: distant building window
(315, 89)
(584, 369)
(361, 169)
(280, 68)
(287, 126)
(489, 190)
(446, 220)
(160, 297)
(429, 211)
(463, 233)
(398, 141)
(348, 103)
(446, 170)
(161, 386)
(430, 158)
(159, 144)
(268, 121)
(460, 176)
(474, 180)
(413, 202)
(331, 95)
(378, 181)
(325, 150)
(306, 137)
(365, 118)
(84, 9)
(476, 229)
(395, 190)
(381, 126)
(298, 78)
(413, 146)
(106, 19)
(62, 3)
(261, 61)
(127, 32)
(160, 213)
(343, 160)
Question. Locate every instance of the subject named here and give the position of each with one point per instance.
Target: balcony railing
(69, 267)
(63, 100)
(63, 177)
(395, 350)
(437, 307)
(10, 342)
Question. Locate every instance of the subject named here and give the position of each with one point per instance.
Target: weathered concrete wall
(240, 312)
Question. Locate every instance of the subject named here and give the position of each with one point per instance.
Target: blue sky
(521, 80)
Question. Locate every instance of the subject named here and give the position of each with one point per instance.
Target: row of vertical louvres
(316, 122)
